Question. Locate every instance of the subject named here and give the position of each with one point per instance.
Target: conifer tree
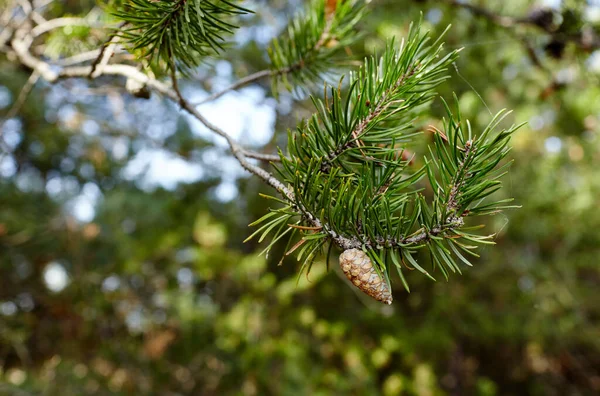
(345, 180)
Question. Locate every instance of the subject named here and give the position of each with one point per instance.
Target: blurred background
(122, 267)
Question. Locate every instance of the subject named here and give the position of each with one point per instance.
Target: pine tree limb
(106, 52)
(589, 41)
(313, 42)
(187, 29)
(276, 73)
(22, 40)
(64, 22)
(236, 85)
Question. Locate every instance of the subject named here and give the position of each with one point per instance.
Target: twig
(44, 70)
(380, 107)
(16, 107)
(501, 20)
(590, 41)
(33, 78)
(533, 56)
(63, 22)
(79, 58)
(238, 84)
(236, 149)
(106, 52)
(7, 21)
(261, 156)
(271, 73)
(33, 14)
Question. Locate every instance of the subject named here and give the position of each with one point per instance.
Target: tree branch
(20, 46)
(21, 43)
(501, 20)
(261, 156)
(63, 22)
(323, 38)
(33, 78)
(588, 40)
(452, 204)
(236, 149)
(238, 84)
(381, 105)
(106, 52)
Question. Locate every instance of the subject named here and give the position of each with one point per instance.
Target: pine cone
(359, 269)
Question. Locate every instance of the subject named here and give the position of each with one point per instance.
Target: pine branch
(20, 101)
(352, 189)
(106, 52)
(187, 29)
(236, 85)
(386, 94)
(542, 19)
(63, 22)
(315, 53)
(314, 42)
(343, 182)
(21, 42)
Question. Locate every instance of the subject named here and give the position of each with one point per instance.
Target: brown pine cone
(359, 269)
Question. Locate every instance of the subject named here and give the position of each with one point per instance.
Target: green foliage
(184, 31)
(315, 42)
(350, 181)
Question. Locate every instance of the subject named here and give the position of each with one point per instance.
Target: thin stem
(261, 156)
(382, 104)
(106, 52)
(64, 22)
(501, 20)
(590, 41)
(78, 58)
(33, 78)
(16, 107)
(238, 84)
(272, 73)
(236, 149)
(20, 46)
